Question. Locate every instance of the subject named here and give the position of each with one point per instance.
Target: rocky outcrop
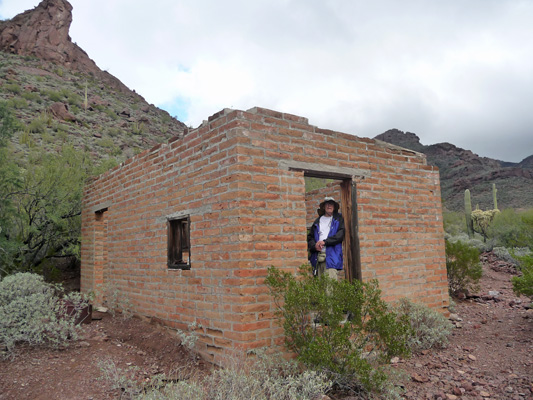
(403, 139)
(43, 32)
(60, 111)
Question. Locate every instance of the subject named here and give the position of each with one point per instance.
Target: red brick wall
(248, 211)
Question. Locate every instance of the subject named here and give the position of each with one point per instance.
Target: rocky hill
(59, 94)
(461, 169)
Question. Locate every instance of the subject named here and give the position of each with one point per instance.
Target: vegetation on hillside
(106, 123)
(45, 159)
(40, 197)
(509, 234)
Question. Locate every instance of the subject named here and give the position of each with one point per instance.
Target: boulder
(60, 111)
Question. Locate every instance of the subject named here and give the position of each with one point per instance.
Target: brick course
(248, 210)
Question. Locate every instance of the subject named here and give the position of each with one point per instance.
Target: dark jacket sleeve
(339, 236)
(311, 238)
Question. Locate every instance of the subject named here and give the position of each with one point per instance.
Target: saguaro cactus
(85, 101)
(468, 214)
(494, 198)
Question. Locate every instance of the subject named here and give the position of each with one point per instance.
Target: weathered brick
(249, 211)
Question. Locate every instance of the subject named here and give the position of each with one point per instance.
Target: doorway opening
(100, 253)
(343, 188)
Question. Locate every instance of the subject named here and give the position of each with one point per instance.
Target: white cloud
(450, 71)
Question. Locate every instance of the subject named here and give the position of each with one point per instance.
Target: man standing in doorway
(325, 239)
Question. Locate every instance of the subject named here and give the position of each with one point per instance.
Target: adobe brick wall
(247, 208)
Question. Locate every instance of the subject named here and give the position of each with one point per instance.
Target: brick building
(187, 230)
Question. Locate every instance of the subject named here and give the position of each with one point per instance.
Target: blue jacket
(333, 242)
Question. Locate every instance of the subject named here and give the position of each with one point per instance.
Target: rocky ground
(489, 355)
(490, 350)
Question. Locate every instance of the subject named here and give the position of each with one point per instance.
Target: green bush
(111, 113)
(511, 256)
(74, 99)
(476, 241)
(53, 95)
(524, 284)
(13, 88)
(352, 351)
(454, 222)
(513, 229)
(17, 103)
(463, 267)
(429, 328)
(32, 311)
(32, 96)
(37, 125)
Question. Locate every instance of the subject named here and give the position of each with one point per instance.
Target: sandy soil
(489, 355)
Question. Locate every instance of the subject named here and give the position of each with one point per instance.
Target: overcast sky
(450, 71)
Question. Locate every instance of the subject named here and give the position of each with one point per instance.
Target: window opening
(179, 248)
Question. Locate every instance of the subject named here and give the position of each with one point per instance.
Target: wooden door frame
(349, 210)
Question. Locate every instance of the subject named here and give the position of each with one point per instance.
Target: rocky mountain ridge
(60, 96)
(462, 169)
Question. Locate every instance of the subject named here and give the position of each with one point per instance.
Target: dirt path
(490, 351)
(489, 355)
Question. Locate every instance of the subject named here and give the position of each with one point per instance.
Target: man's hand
(319, 246)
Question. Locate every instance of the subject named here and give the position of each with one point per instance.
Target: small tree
(351, 351)
(463, 267)
(482, 220)
(9, 184)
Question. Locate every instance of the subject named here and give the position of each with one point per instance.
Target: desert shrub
(476, 242)
(511, 256)
(115, 300)
(32, 96)
(463, 267)
(429, 328)
(454, 222)
(513, 229)
(53, 95)
(111, 113)
(73, 99)
(138, 128)
(260, 377)
(13, 88)
(33, 312)
(17, 103)
(189, 339)
(122, 379)
(524, 284)
(106, 142)
(37, 125)
(351, 351)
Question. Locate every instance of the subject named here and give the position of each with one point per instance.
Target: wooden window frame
(179, 243)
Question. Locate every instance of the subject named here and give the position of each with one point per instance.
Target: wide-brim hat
(329, 199)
